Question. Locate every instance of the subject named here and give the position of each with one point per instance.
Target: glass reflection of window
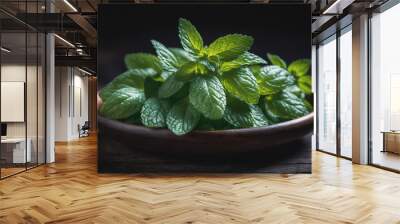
(327, 96)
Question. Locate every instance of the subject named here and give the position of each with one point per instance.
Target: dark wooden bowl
(207, 143)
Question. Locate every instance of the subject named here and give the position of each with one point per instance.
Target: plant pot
(209, 143)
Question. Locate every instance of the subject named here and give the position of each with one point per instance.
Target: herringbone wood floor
(71, 191)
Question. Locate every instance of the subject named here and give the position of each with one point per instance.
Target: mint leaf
(190, 38)
(122, 103)
(304, 83)
(229, 47)
(272, 79)
(182, 56)
(207, 95)
(154, 113)
(276, 60)
(300, 67)
(170, 87)
(134, 119)
(182, 118)
(287, 105)
(143, 61)
(245, 59)
(190, 70)
(296, 91)
(242, 115)
(151, 88)
(167, 59)
(242, 84)
(131, 78)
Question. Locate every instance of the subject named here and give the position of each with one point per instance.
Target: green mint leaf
(123, 103)
(190, 70)
(229, 47)
(287, 105)
(143, 61)
(259, 119)
(276, 60)
(170, 87)
(182, 56)
(154, 113)
(167, 59)
(131, 78)
(271, 117)
(304, 83)
(190, 38)
(272, 79)
(207, 95)
(245, 59)
(300, 67)
(182, 118)
(296, 91)
(242, 84)
(242, 115)
(151, 87)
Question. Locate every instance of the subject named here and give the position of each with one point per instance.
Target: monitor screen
(3, 129)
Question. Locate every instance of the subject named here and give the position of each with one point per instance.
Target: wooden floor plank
(71, 191)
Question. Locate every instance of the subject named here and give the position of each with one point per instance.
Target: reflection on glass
(385, 84)
(15, 151)
(327, 96)
(346, 94)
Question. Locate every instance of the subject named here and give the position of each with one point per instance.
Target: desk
(15, 148)
(391, 141)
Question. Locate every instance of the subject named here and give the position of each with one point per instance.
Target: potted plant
(202, 99)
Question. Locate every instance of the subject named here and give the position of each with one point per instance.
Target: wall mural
(198, 88)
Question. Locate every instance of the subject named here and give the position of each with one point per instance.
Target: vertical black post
(338, 76)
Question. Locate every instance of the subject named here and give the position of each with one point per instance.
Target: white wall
(71, 102)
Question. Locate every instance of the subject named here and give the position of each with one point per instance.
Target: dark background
(280, 29)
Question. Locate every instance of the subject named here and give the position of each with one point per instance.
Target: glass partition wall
(385, 89)
(22, 78)
(334, 93)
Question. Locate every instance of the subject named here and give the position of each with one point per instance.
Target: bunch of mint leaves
(215, 87)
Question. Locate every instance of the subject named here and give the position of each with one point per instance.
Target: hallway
(71, 191)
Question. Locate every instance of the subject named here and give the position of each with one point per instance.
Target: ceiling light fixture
(70, 5)
(337, 7)
(5, 50)
(84, 71)
(64, 40)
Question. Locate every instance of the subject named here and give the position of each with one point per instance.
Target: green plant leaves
(304, 83)
(182, 118)
(208, 88)
(272, 79)
(242, 115)
(122, 103)
(245, 59)
(170, 87)
(190, 69)
(167, 59)
(242, 84)
(229, 47)
(154, 113)
(286, 105)
(300, 67)
(207, 95)
(131, 78)
(143, 61)
(191, 39)
(276, 60)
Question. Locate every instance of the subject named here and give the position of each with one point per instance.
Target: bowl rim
(283, 126)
